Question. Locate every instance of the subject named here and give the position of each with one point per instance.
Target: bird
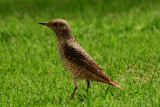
(75, 58)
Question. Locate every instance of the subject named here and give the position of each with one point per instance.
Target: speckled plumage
(75, 58)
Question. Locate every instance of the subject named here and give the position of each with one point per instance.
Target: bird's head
(59, 26)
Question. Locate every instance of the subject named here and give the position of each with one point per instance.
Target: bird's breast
(76, 70)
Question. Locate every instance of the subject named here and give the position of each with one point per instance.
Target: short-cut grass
(123, 37)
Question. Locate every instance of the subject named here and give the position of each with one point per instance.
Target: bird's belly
(76, 70)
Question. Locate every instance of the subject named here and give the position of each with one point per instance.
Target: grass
(122, 36)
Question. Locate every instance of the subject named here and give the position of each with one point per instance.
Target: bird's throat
(64, 35)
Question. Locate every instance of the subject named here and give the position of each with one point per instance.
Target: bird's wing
(80, 57)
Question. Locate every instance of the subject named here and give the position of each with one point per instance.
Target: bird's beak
(44, 23)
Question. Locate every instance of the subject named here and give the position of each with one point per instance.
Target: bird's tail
(115, 84)
(109, 81)
(102, 77)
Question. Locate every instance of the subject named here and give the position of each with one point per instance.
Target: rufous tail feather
(115, 84)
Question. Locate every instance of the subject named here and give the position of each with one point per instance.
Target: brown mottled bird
(75, 58)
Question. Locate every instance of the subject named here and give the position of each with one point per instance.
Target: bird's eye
(55, 24)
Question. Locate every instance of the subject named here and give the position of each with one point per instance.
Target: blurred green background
(123, 36)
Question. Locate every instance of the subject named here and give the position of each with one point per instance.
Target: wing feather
(79, 57)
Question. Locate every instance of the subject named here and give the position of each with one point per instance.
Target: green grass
(122, 36)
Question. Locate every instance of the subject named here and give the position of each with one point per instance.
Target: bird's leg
(88, 83)
(75, 88)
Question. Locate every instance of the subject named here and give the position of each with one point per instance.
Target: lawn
(123, 37)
